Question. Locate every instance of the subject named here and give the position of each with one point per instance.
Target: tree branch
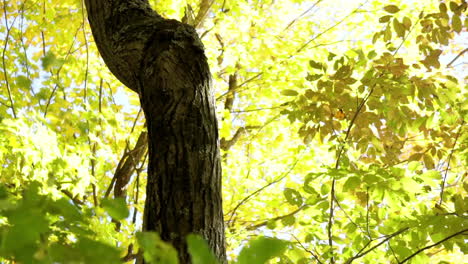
(264, 223)
(433, 245)
(387, 238)
(457, 57)
(448, 163)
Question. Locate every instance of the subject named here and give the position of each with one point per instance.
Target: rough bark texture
(164, 62)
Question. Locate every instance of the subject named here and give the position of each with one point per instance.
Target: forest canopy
(343, 134)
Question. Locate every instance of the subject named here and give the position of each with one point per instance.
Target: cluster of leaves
(396, 129)
(38, 229)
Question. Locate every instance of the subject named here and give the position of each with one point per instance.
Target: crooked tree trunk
(164, 62)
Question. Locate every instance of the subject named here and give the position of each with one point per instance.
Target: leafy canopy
(343, 134)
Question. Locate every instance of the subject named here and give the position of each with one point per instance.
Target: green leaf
(23, 82)
(97, 252)
(288, 220)
(289, 92)
(64, 208)
(49, 60)
(292, 196)
(392, 9)
(116, 208)
(351, 183)
(156, 251)
(414, 165)
(199, 250)
(260, 250)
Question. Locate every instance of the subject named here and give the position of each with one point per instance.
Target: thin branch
(245, 199)
(7, 37)
(239, 86)
(302, 15)
(331, 27)
(387, 238)
(337, 165)
(406, 37)
(307, 250)
(448, 163)
(264, 223)
(75, 200)
(367, 213)
(330, 222)
(433, 245)
(259, 109)
(57, 85)
(85, 90)
(204, 8)
(457, 57)
(347, 216)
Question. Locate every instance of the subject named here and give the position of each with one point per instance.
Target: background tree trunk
(164, 62)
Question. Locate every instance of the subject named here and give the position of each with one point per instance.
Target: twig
(331, 27)
(85, 90)
(433, 245)
(264, 223)
(259, 109)
(245, 199)
(387, 238)
(239, 86)
(303, 14)
(448, 163)
(307, 250)
(456, 58)
(337, 165)
(7, 37)
(204, 8)
(58, 73)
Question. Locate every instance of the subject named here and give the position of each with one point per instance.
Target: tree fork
(164, 62)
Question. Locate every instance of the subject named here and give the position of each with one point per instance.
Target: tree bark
(164, 62)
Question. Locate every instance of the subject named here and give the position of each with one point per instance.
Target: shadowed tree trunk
(163, 61)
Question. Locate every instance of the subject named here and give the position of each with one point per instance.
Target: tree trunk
(164, 62)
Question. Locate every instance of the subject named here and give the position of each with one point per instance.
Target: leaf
(392, 9)
(399, 28)
(97, 252)
(456, 23)
(407, 23)
(315, 65)
(293, 197)
(199, 250)
(116, 208)
(23, 82)
(351, 183)
(414, 165)
(442, 8)
(288, 220)
(313, 77)
(260, 250)
(49, 60)
(289, 92)
(387, 34)
(385, 19)
(453, 6)
(156, 251)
